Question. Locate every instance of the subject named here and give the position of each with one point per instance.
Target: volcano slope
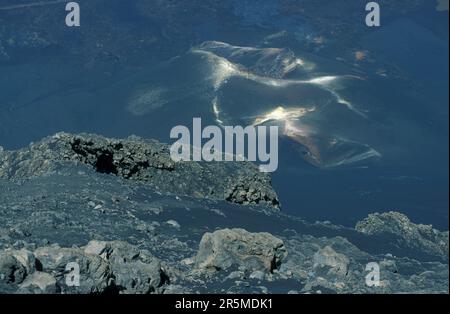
(133, 221)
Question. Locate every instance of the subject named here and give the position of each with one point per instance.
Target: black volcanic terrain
(133, 223)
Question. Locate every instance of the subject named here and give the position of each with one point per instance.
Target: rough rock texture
(227, 247)
(11, 269)
(406, 233)
(105, 267)
(132, 232)
(334, 263)
(39, 282)
(145, 161)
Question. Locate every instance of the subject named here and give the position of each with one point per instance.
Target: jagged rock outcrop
(251, 190)
(134, 270)
(332, 262)
(225, 248)
(39, 282)
(335, 265)
(400, 229)
(146, 161)
(11, 269)
(129, 235)
(104, 267)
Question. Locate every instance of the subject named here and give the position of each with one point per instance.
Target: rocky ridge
(131, 232)
(145, 161)
(406, 233)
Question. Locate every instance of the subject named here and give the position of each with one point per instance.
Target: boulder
(11, 270)
(135, 271)
(332, 262)
(39, 282)
(398, 227)
(104, 267)
(225, 248)
(95, 273)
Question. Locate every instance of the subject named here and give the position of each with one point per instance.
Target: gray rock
(48, 218)
(408, 234)
(177, 289)
(335, 263)
(134, 271)
(104, 267)
(173, 223)
(253, 189)
(145, 161)
(227, 247)
(25, 258)
(257, 274)
(46, 283)
(95, 273)
(11, 270)
(236, 275)
(101, 248)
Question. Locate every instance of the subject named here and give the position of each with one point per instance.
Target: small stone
(258, 275)
(173, 223)
(236, 275)
(263, 289)
(188, 261)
